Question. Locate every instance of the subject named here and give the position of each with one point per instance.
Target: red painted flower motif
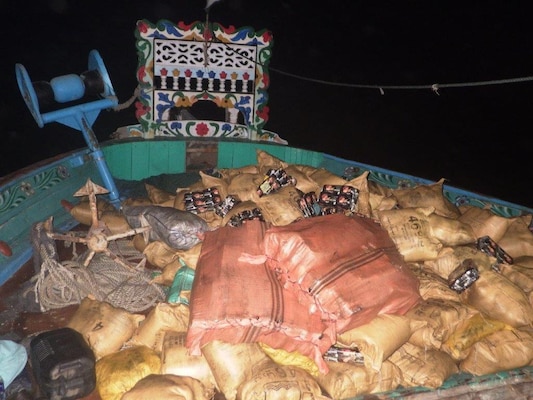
(223, 75)
(267, 36)
(141, 73)
(5, 249)
(202, 129)
(186, 27)
(208, 35)
(246, 76)
(164, 71)
(140, 109)
(263, 113)
(230, 29)
(142, 27)
(188, 73)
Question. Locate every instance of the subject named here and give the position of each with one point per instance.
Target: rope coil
(62, 284)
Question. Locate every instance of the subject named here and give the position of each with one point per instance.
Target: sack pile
(292, 292)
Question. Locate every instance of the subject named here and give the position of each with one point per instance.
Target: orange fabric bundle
(346, 269)
(235, 301)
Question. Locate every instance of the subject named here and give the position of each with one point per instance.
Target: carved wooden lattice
(181, 65)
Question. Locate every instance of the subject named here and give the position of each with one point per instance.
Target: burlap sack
(179, 200)
(254, 307)
(367, 202)
(159, 196)
(468, 332)
(212, 218)
(378, 339)
(324, 177)
(521, 276)
(423, 367)
(166, 277)
(499, 298)
(388, 378)
(176, 360)
(169, 387)
(381, 189)
(231, 364)
(244, 186)
(347, 380)
(410, 230)
(427, 195)
(268, 380)
(379, 202)
(189, 257)
(500, 351)
(219, 183)
(432, 285)
(518, 239)
(281, 207)
(82, 211)
(106, 213)
(485, 223)
(434, 320)
(524, 261)
(158, 254)
(266, 161)
(303, 182)
(104, 327)
(345, 269)
(162, 318)
(450, 258)
(139, 242)
(228, 173)
(450, 232)
(240, 207)
(294, 358)
(118, 372)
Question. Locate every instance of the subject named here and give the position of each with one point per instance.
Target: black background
(477, 136)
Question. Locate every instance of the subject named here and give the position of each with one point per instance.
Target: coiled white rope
(62, 284)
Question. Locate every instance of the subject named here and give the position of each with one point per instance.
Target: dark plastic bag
(180, 230)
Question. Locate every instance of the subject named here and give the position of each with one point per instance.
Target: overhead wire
(433, 86)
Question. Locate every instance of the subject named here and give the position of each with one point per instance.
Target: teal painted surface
(34, 197)
(37, 194)
(240, 154)
(140, 159)
(495, 387)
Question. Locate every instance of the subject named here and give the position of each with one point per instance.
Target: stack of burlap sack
(270, 297)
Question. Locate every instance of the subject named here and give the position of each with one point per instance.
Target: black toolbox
(63, 364)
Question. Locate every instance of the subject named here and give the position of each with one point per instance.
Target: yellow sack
(118, 372)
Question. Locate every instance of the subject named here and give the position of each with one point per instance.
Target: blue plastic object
(68, 88)
(13, 358)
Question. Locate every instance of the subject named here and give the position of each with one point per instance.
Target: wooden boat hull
(36, 193)
(39, 191)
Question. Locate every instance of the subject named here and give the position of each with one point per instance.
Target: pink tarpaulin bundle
(344, 268)
(236, 301)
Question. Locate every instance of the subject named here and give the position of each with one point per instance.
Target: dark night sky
(477, 137)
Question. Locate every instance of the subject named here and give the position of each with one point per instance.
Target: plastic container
(63, 364)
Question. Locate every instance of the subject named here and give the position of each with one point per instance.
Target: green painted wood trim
(137, 160)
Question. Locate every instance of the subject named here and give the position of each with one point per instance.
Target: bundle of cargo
(399, 289)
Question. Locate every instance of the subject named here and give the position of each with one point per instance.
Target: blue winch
(78, 114)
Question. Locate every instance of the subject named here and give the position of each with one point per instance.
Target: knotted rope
(61, 284)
